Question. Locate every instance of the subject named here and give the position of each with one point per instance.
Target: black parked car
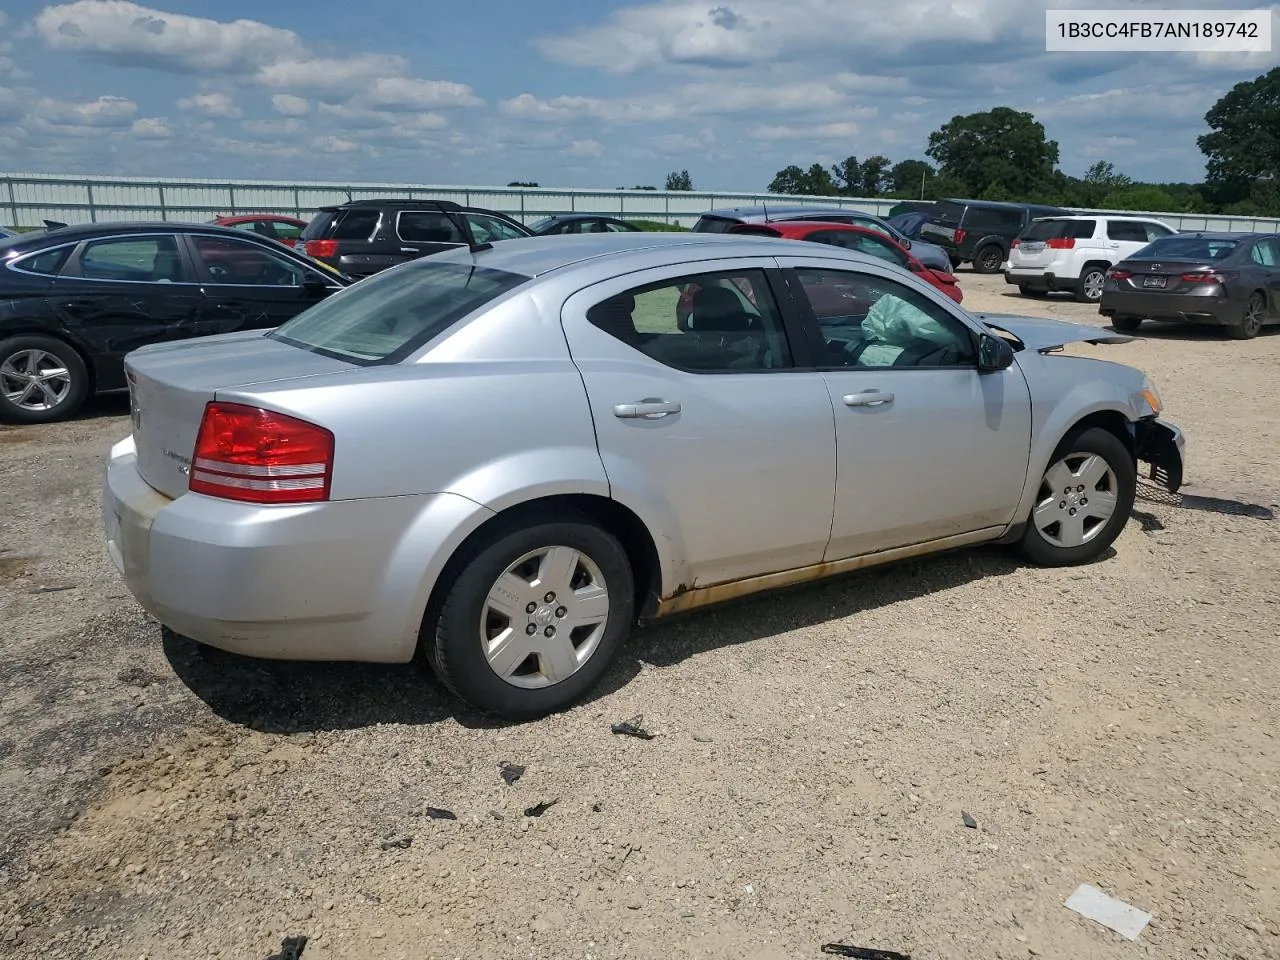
(1230, 280)
(980, 231)
(581, 223)
(74, 300)
(365, 236)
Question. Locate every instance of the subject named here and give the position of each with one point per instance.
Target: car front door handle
(648, 409)
(868, 398)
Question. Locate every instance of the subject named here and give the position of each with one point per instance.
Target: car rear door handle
(868, 398)
(408, 249)
(648, 409)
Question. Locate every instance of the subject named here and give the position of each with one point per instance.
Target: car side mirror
(906, 242)
(994, 353)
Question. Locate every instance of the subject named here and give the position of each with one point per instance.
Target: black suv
(980, 231)
(365, 236)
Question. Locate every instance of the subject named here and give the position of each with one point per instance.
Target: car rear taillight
(1060, 243)
(323, 249)
(1203, 276)
(260, 456)
(1016, 242)
(960, 235)
(1115, 274)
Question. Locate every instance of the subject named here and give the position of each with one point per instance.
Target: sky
(586, 94)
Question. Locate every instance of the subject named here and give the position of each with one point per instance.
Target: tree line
(1005, 154)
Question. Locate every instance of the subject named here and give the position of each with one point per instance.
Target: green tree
(1243, 146)
(875, 176)
(816, 181)
(679, 180)
(1002, 146)
(907, 177)
(1100, 180)
(847, 175)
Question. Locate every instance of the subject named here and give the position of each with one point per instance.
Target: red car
(855, 238)
(273, 226)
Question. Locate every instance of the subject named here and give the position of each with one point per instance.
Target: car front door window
(491, 229)
(232, 261)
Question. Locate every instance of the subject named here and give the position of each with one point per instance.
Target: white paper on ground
(1111, 913)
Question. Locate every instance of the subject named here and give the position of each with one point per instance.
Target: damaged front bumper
(1160, 445)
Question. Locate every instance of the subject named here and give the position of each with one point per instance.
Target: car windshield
(1055, 229)
(1188, 248)
(386, 317)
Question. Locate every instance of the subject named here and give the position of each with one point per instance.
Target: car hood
(1043, 335)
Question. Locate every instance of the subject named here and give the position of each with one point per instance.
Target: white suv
(1074, 253)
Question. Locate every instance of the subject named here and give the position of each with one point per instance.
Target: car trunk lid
(169, 385)
(1164, 276)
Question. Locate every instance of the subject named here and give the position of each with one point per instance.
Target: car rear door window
(228, 260)
(427, 226)
(705, 323)
(355, 225)
(45, 263)
(145, 259)
(1264, 253)
(871, 321)
(1127, 231)
(1155, 231)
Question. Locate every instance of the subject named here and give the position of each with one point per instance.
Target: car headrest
(718, 309)
(613, 316)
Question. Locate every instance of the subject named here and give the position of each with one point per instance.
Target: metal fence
(28, 199)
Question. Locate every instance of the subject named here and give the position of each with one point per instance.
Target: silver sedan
(499, 459)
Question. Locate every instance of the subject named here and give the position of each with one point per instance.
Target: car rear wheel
(532, 616)
(41, 380)
(988, 259)
(1091, 281)
(1084, 500)
(1250, 324)
(1126, 323)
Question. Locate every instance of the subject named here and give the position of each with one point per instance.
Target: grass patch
(657, 226)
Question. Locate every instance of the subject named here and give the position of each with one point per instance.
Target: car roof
(813, 225)
(229, 217)
(1215, 235)
(1104, 216)
(1001, 204)
(772, 211)
(75, 232)
(538, 256)
(582, 216)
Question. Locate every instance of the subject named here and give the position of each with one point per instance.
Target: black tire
(1125, 323)
(1036, 545)
(451, 635)
(72, 395)
(1088, 275)
(1250, 324)
(1035, 292)
(988, 260)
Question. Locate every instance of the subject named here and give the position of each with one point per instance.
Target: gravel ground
(1112, 725)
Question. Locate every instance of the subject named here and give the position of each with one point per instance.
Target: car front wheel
(41, 380)
(1084, 500)
(532, 617)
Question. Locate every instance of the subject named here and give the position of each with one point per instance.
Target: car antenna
(447, 207)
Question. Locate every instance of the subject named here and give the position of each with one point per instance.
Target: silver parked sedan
(501, 458)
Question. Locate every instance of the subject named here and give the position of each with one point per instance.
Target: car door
(926, 446)
(1265, 255)
(247, 286)
(118, 293)
(720, 436)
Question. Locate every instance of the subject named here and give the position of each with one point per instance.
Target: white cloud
(697, 33)
(150, 128)
(277, 128)
(585, 148)
(253, 53)
(827, 131)
(102, 112)
(212, 105)
(10, 108)
(289, 105)
(559, 109)
(335, 145)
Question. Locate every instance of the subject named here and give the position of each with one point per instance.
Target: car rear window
(713, 225)
(387, 316)
(355, 225)
(993, 220)
(318, 224)
(1055, 229)
(944, 211)
(1188, 248)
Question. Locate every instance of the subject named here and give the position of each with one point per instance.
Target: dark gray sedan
(1230, 280)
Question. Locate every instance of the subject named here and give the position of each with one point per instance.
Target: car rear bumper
(1178, 308)
(1038, 278)
(342, 580)
(1161, 446)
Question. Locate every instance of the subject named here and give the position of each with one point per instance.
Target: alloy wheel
(544, 617)
(1253, 316)
(1092, 282)
(34, 380)
(1078, 495)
